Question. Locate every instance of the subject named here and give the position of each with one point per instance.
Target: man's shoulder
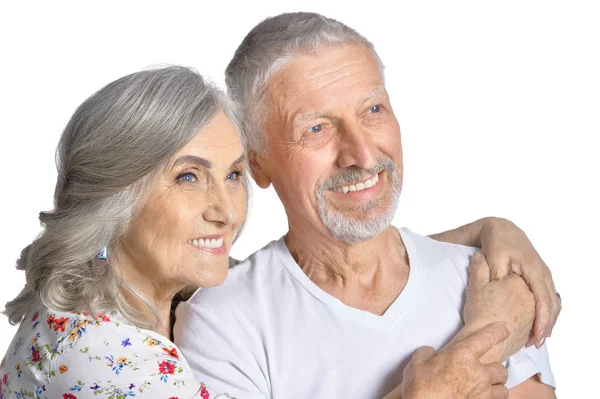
(436, 255)
(422, 243)
(246, 279)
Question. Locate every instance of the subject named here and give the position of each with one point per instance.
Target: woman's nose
(220, 209)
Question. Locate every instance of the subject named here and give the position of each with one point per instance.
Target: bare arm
(532, 388)
(464, 235)
(508, 250)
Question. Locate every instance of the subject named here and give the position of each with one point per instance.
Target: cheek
(390, 140)
(303, 173)
(240, 199)
(168, 221)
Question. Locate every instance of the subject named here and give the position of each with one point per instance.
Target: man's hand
(507, 300)
(508, 250)
(456, 372)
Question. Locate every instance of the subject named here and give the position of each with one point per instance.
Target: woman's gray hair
(266, 49)
(108, 158)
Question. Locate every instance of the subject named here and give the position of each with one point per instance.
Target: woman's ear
(259, 172)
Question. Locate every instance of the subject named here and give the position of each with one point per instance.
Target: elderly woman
(151, 194)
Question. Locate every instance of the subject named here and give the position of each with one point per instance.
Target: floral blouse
(59, 355)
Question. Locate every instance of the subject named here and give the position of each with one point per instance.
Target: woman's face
(183, 233)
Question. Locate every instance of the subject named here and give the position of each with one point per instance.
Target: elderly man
(337, 307)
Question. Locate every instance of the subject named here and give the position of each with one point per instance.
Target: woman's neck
(156, 312)
(147, 293)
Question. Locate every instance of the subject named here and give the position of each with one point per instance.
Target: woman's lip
(211, 237)
(217, 251)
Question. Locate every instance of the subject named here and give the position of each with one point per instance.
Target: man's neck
(368, 275)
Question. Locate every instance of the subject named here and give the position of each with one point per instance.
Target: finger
(479, 271)
(423, 354)
(499, 266)
(497, 373)
(544, 302)
(485, 339)
(498, 392)
(556, 303)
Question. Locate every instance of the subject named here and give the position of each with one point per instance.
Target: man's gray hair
(267, 48)
(108, 158)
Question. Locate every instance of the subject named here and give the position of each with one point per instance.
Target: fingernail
(539, 345)
(542, 333)
(476, 256)
(530, 342)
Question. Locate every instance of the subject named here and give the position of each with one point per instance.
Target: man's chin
(352, 230)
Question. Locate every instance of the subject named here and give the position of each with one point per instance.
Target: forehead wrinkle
(333, 76)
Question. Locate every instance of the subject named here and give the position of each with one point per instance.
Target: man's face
(335, 156)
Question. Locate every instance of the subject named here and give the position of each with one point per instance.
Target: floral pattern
(75, 356)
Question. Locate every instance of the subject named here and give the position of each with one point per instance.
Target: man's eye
(316, 129)
(374, 109)
(187, 177)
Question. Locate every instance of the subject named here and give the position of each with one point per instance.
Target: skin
(509, 251)
(315, 133)
(305, 94)
(190, 200)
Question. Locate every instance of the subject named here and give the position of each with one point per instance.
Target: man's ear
(258, 169)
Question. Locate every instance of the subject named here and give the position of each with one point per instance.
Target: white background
(499, 105)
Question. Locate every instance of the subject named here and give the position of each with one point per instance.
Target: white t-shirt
(270, 332)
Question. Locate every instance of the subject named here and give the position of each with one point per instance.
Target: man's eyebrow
(325, 114)
(372, 94)
(193, 159)
(312, 116)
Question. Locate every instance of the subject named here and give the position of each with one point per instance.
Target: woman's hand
(508, 250)
(507, 300)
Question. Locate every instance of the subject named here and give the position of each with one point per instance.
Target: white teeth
(358, 187)
(208, 243)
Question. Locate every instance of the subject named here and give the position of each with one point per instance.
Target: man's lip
(358, 182)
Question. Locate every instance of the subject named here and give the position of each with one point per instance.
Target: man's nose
(357, 148)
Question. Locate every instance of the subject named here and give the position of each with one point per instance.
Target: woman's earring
(103, 253)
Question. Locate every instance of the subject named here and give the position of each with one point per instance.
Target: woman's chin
(215, 276)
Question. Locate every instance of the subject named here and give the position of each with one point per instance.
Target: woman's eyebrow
(193, 159)
(239, 159)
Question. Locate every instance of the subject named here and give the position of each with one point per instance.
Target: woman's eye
(316, 129)
(374, 109)
(187, 177)
(235, 175)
